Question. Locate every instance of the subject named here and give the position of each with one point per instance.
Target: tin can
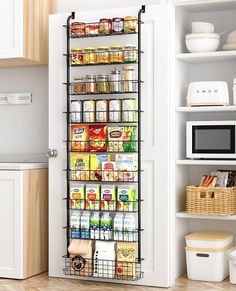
(105, 26)
(76, 111)
(91, 29)
(101, 110)
(77, 56)
(117, 25)
(115, 110)
(129, 110)
(88, 111)
(78, 29)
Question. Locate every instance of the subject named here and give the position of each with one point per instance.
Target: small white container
(198, 27)
(232, 265)
(202, 42)
(234, 91)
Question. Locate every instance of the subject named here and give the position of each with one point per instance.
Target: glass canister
(102, 54)
(78, 29)
(76, 111)
(89, 55)
(115, 81)
(105, 26)
(90, 83)
(103, 85)
(130, 24)
(116, 54)
(89, 110)
(117, 25)
(102, 110)
(130, 53)
(77, 56)
(115, 110)
(129, 110)
(129, 78)
(78, 85)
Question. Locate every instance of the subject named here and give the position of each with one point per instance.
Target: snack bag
(96, 166)
(77, 197)
(125, 259)
(79, 138)
(114, 136)
(97, 138)
(129, 138)
(79, 165)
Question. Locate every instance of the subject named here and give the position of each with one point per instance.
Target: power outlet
(15, 98)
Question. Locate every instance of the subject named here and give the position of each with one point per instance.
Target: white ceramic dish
(202, 42)
(202, 27)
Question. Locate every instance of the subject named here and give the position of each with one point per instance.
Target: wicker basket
(211, 200)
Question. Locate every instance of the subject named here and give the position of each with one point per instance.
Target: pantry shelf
(206, 109)
(104, 64)
(184, 214)
(206, 162)
(73, 36)
(104, 182)
(105, 123)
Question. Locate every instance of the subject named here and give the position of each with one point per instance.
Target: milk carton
(92, 197)
(94, 225)
(129, 227)
(77, 197)
(85, 224)
(108, 197)
(75, 224)
(106, 226)
(118, 226)
(126, 198)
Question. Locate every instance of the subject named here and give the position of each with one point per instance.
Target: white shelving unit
(206, 109)
(184, 214)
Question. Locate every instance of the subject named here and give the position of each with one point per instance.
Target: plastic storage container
(232, 265)
(206, 255)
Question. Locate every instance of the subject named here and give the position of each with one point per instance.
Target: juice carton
(92, 197)
(106, 226)
(126, 197)
(94, 225)
(96, 162)
(77, 197)
(85, 224)
(118, 226)
(129, 227)
(75, 224)
(108, 197)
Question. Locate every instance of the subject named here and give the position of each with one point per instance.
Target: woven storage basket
(211, 200)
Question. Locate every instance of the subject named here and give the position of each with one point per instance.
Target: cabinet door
(11, 29)
(11, 224)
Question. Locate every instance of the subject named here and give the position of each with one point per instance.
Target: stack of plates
(231, 42)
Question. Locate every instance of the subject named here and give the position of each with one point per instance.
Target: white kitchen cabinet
(23, 223)
(23, 30)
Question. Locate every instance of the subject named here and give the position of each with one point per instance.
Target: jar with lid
(90, 83)
(102, 54)
(77, 29)
(103, 85)
(76, 111)
(130, 24)
(117, 25)
(115, 81)
(77, 56)
(116, 54)
(129, 78)
(89, 55)
(105, 26)
(130, 53)
(91, 29)
(78, 85)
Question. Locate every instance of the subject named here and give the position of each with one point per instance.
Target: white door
(11, 224)
(11, 29)
(155, 159)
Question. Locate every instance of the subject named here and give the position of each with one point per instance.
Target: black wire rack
(79, 170)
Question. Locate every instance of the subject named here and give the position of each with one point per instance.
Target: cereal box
(127, 166)
(79, 138)
(79, 165)
(96, 161)
(77, 197)
(108, 197)
(121, 138)
(109, 172)
(97, 138)
(92, 197)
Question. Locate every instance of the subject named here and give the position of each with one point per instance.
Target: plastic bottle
(94, 225)
(118, 226)
(75, 224)
(129, 227)
(106, 226)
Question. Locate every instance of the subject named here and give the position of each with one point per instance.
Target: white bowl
(202, 42)
(198, 27)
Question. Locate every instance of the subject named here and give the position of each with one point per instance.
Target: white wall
(24, 128)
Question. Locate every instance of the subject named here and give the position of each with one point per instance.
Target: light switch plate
(15, 98)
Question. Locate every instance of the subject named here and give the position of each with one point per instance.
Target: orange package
(79, 138)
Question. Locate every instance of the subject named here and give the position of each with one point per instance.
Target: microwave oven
(211, 139)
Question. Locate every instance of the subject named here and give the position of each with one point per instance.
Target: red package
(97, 138)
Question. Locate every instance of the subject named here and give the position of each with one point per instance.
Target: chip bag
(97, 138)
(79, 138)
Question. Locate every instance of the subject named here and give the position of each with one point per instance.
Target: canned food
(116, 54)
(130, 24)
(105, 26)
(79, 85)
(129, 110)
(90, 83)
(89, 55)
(103, 85)
(89, 111)
(102, 54)
(91, 29)
(76, 111)
(115, 110)
(130, 53)
(117, 25)
(78, 28)
(101, 111)
(77, 56)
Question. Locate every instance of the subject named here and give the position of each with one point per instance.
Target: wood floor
(43, 283)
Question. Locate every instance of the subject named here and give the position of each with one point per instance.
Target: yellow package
(79, 165)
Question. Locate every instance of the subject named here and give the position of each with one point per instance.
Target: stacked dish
(231, 42)
(202, 38)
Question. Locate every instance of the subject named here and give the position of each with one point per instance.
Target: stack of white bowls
(231, 42)
(202, 38)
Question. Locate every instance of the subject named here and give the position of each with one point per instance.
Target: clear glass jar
(78, 85)
(130, 24)
(103, 84)
(90, 83)
(89, 55)
(130, 53)
(129, 79)
(117, 25)
(77, 56)
(102, 54)
(105, 26)
(115, 81)
(116, 54)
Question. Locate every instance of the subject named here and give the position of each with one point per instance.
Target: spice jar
(129, 79)
(90, 83)
(105, 26)
(89, 55)
(117, 25)
(78, 28)
(116, 54)
(102, 54)
(130, 53)
(77, 56)
(115, 81)
(91, 29)
(130, 24)
(79, 85)
(103, 85)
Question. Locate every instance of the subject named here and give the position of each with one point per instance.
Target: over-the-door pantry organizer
(103, 149)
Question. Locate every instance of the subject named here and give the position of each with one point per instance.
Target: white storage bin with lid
(206, 255)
